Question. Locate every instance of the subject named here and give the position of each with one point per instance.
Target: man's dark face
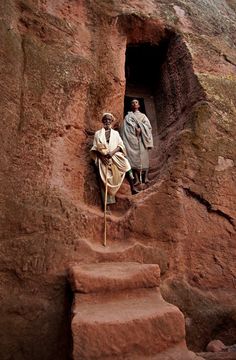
(107, 120)
(135, 105)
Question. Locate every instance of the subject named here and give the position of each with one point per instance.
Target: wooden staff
(105, 210)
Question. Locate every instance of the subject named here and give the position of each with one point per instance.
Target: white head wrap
(108, 114)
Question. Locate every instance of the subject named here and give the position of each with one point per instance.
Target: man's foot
(108, 210)
(132, 180)
(134, 191)
(146, 180)
(136, 178)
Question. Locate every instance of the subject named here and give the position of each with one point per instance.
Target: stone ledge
(222, 355)
(101, 277)
(137, 322)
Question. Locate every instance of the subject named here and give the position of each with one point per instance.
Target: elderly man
(136, 133)
(109, 154)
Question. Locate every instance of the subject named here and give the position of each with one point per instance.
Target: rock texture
(216, 346)
(62, 65)
(108, 277)
(123, 315)
(218, 356)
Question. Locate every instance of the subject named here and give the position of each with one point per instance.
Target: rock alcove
(63, 65)
(161, 76)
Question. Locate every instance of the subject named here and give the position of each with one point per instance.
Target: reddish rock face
(62, 66)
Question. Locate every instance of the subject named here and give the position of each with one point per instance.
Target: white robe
(119, 164)
(137, 147)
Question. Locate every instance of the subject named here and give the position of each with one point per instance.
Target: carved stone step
(108, 276)
(121, 251)
(222, 355)
(136, 322)
(177, 352)
(118, 313)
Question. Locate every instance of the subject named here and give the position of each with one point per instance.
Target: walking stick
(105, 211)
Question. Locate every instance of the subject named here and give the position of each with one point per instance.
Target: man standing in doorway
(136, 133)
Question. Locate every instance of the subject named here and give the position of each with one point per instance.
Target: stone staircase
(118, 313)
(120, 251)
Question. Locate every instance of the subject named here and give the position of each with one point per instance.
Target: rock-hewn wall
(62, 65)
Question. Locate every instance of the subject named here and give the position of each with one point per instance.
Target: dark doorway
(161, 76)
(142, 71)
(142, 64)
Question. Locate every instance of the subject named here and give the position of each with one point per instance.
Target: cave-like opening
(161, 76)
(142, 71)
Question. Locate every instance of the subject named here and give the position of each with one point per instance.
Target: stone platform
(118, 313)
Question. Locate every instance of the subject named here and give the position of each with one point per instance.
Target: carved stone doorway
(162, 76)
(142, 68)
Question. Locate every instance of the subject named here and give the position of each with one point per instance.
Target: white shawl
(118, 166)
(137, 147)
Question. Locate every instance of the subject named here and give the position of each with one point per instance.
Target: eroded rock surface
(62, 66)
(123, 316)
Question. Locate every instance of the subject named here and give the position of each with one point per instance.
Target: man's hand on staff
(111, 153)
(105, 159)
